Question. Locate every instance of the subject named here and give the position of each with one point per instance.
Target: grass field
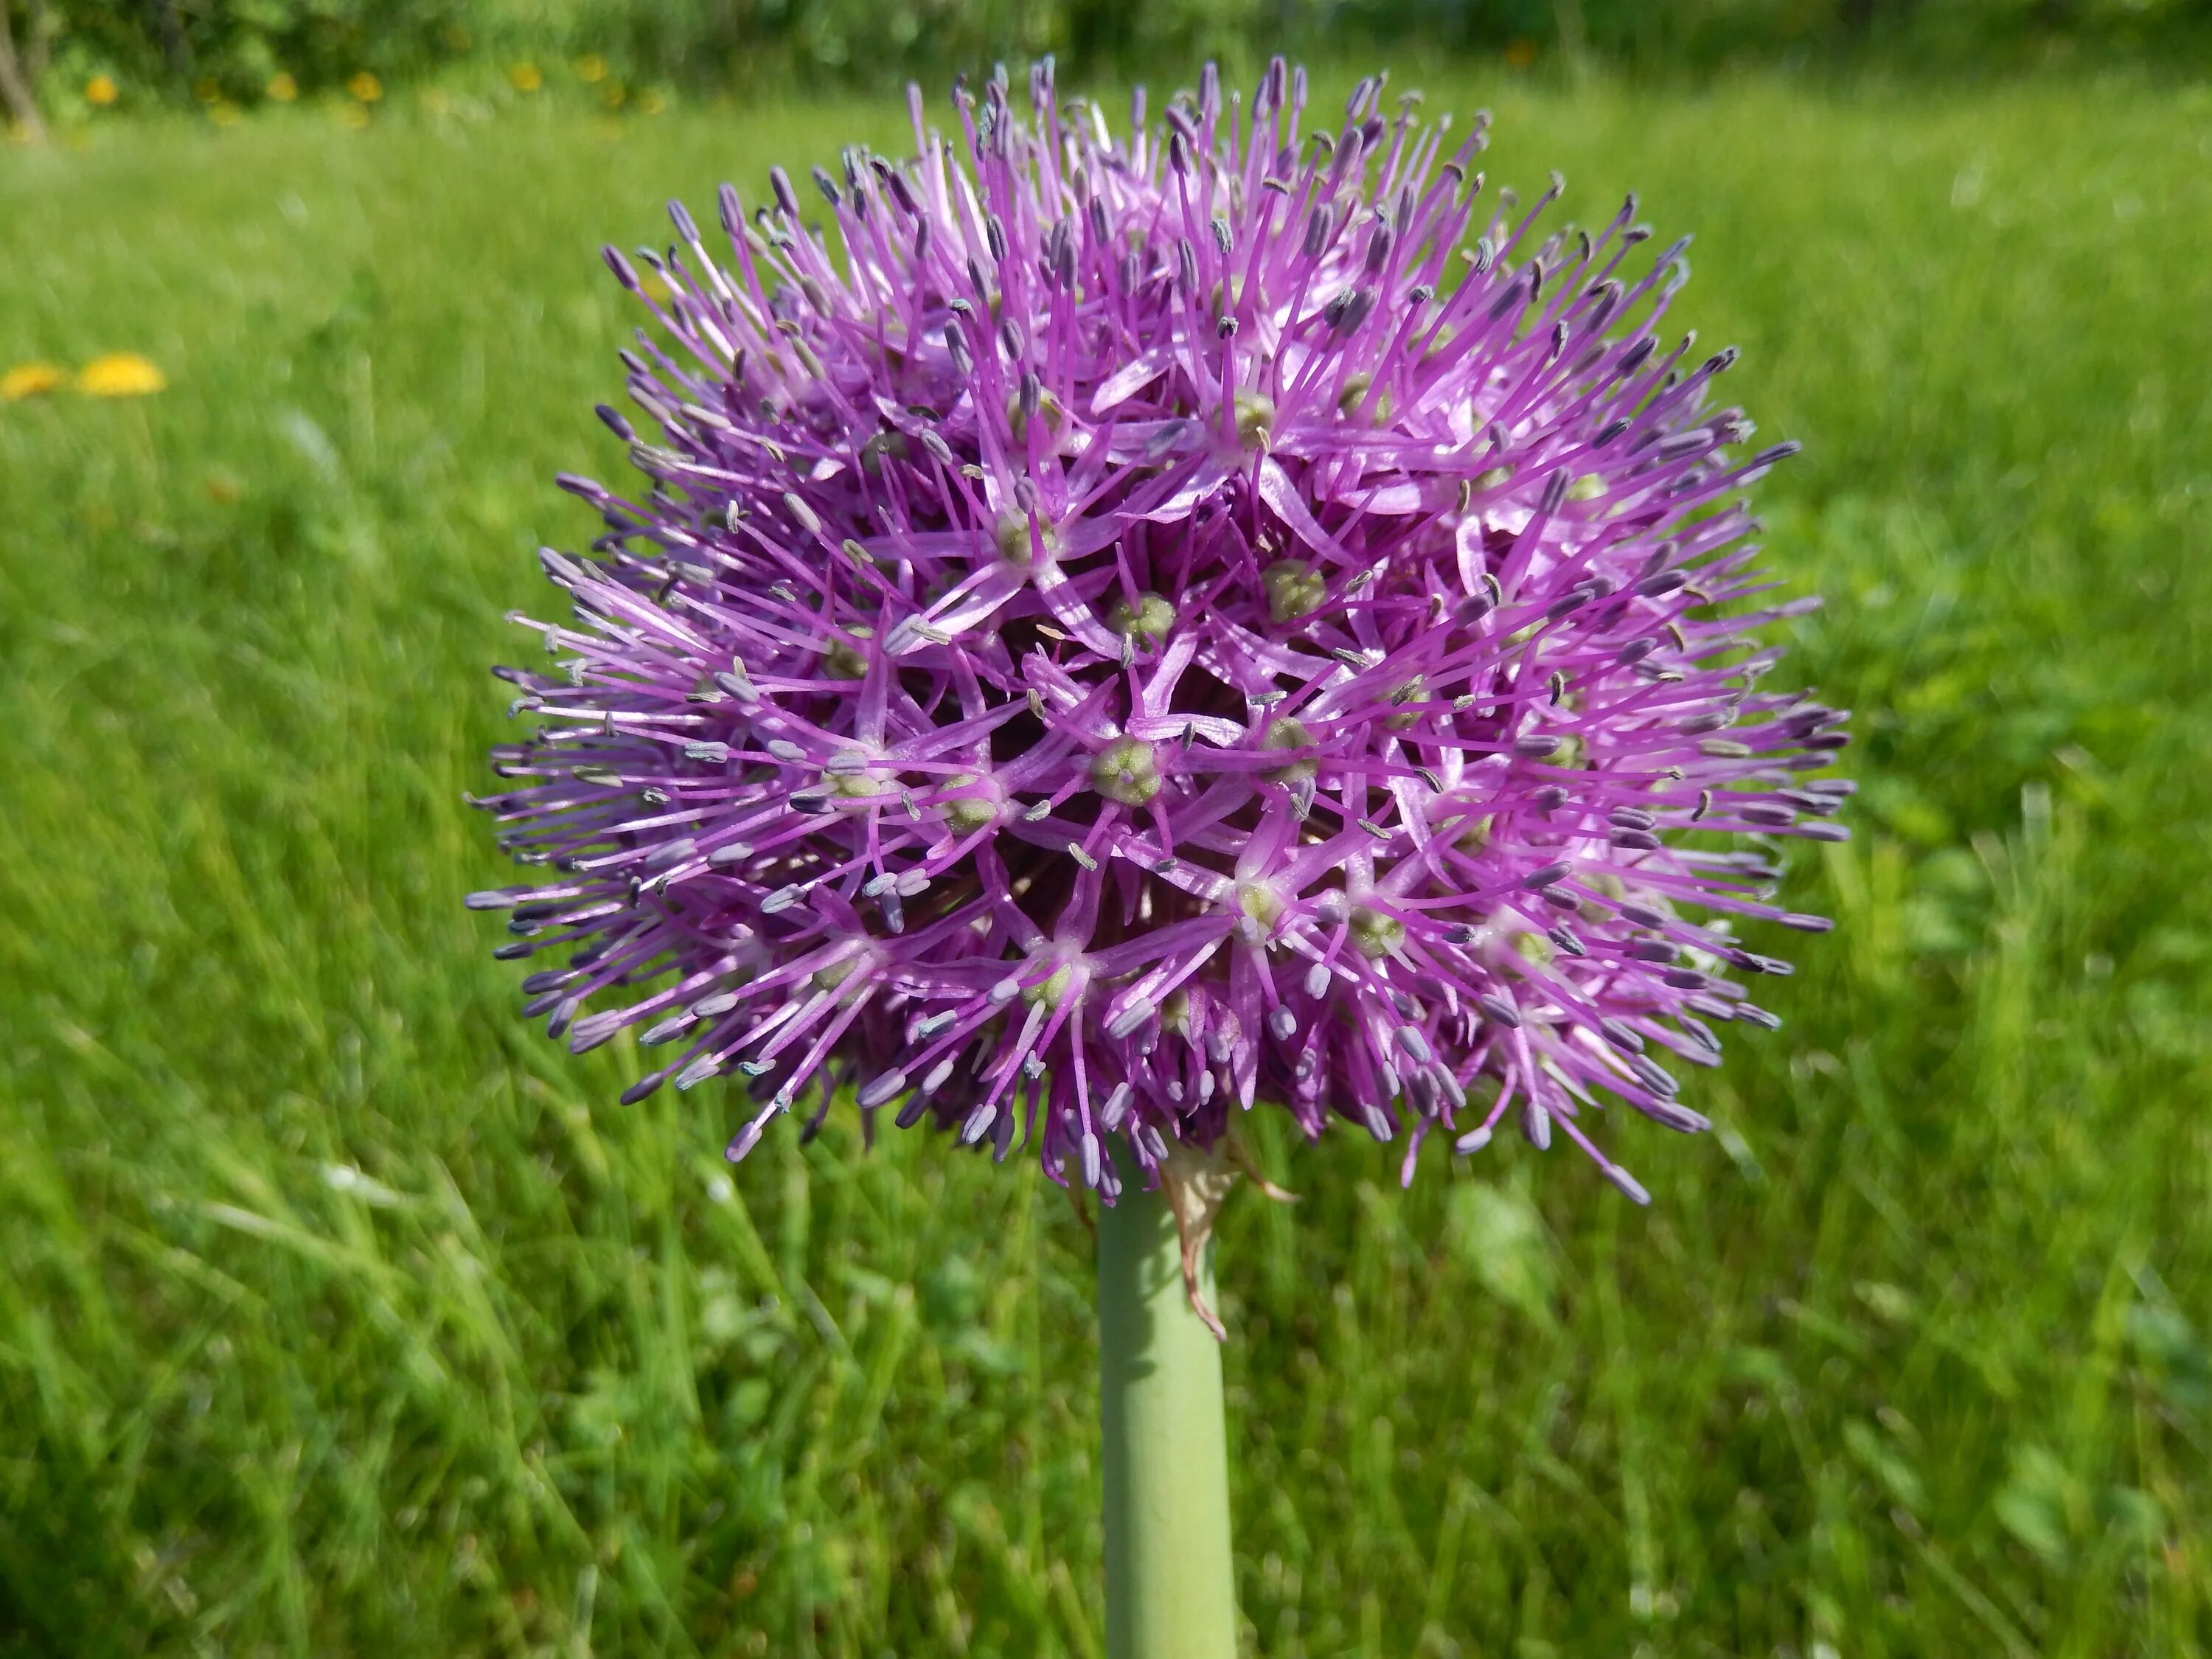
(341, 1313)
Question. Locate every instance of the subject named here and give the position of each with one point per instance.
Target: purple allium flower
(1145, 625)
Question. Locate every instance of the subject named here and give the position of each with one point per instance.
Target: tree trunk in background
(1098, 35)
(174, 46)
(17, 90)
(1574, 36)
(1858, 14)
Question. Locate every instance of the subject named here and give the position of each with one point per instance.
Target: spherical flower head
(1118, 629)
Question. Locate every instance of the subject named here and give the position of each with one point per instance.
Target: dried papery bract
(1116, 626)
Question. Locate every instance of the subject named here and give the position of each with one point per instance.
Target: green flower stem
(1170, 1586)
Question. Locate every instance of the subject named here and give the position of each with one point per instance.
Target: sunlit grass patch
(341, 1314)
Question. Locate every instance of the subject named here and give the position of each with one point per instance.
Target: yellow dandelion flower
(650, 102)
(102, 90)
(224, 115)
(31, 379)
(1521, 53)
(365, 87)
(355, 116)
(282, 87)
(525, 78)
(120, 374)
(592, 68)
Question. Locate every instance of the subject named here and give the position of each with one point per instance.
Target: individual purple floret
(1147, 625)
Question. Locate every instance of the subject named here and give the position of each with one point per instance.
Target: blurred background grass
(342, 1313)
(72, 61)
